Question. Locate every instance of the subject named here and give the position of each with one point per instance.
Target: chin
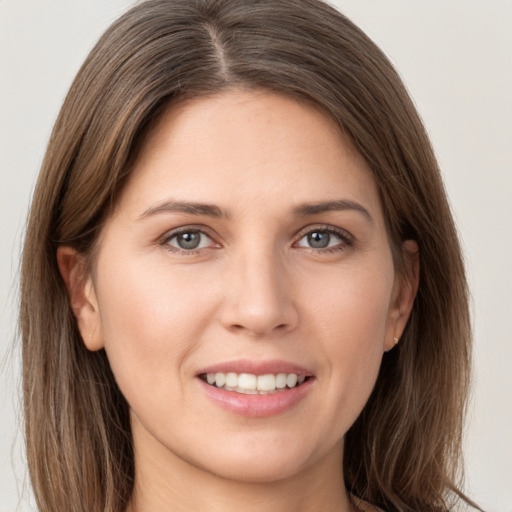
(259, 470)
(260, 459)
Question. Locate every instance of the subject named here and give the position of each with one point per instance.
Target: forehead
(253, 146)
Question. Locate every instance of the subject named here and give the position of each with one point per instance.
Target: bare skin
(250, 235)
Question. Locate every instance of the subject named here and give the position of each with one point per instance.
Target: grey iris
(189, 240)
(318, 240)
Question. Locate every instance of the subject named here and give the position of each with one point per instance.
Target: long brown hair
(403, 453)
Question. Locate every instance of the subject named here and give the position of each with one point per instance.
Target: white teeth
(281, 380)
(246, 391)
(220, 379)
(248, 383)
(266, 382)
(291, 380)
(232, 380)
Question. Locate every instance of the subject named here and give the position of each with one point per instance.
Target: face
(244, 288)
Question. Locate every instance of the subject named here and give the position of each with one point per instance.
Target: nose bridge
(259, 299)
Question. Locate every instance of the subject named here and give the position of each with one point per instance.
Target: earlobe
(82, 296)
(406, 287)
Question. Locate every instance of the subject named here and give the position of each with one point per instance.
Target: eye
(325, 238)
(188, 240)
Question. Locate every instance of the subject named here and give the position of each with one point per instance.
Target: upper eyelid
(325, 227)
(184, 229)
(165, 240)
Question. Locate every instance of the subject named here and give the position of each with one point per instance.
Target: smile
(256, 389)
(251, 384)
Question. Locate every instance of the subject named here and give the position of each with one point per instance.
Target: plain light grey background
(455, 57)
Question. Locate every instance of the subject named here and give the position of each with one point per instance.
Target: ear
(82, 296)
(404, 293)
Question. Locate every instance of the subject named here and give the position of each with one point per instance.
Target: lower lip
(257, 406)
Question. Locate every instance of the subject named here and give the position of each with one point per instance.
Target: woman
(241, 282)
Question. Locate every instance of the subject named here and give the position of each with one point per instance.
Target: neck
(164, 481)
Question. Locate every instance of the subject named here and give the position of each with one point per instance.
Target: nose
(258, 296)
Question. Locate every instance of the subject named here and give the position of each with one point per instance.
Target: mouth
(252, 384)
(256, 389)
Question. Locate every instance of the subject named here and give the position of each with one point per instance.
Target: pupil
(188, 240)
(318, 240)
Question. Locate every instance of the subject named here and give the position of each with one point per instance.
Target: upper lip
(256, 367)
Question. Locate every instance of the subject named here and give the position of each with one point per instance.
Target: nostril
(240, 327)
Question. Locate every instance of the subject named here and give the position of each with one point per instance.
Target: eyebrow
(306, 209)
(210, 210)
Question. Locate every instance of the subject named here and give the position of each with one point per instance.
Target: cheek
(151, 320)
(350, 318)
(352, 303)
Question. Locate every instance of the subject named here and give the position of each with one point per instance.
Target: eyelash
(187, 229)
(346, 239)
